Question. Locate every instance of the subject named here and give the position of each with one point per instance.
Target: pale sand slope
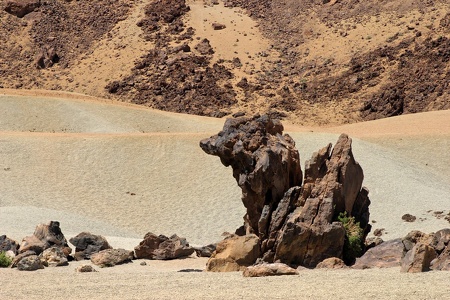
(83, 176)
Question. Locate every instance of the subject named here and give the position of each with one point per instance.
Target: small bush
(5, 261)
(353, 244)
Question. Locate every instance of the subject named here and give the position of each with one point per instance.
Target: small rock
(332, 263)
(408, 218)
(273, 269)
(218, 26)
(85, 269)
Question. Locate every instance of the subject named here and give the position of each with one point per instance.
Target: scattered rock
(85, 269)
(111, 257)
(332, 263)
(87, 243)
(408, 218)
(265, 269)
(20, 8)
(30, 263)
(54, 257)
(162, 247)
(234, 254)
(204, 47)
(218, 26)
(386, 255)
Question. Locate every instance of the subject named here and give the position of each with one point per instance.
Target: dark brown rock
(20, 8)
(111, 257)
(30, 263)
(218, 26)
(204, 47)
(20, 256)
(418, 259)
(87, 243)
(205, 251)
(7, 244)
(32, 243)
(234, 253)
(414, 237)
(265, 269)
(51, 235)
(162, 247)
(85, 269)
(386, 255)
(408, 218)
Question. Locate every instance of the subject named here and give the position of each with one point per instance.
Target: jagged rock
(54, 257)
(51, 235)
(332, 263)
(442, 262)
(30, 263)
(296, 225)
(234, 254)
(441, 243)
(332, 186)
(265, 164)
(441, 240)
(111, 257)
(7, 244)
(85, 269)
(162, 247)
(87, 243)
(32, 243)
(386, 255)
(46, 58)
(205, 251)
(265, 269)
(20, 8)
(418, 259)
(414, 237)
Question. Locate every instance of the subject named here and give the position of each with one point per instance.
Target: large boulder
(418, 259)
(20, 8)
(111, 257)
(265, 269)
(234, 253)
(385, 255)
(30, 263)
(298, 225)
(441, 244)
(32, 243)
(161, 247)
(87, 243)
(7, 244)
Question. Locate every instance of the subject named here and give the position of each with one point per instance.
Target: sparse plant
(354, 235)
(5, 260)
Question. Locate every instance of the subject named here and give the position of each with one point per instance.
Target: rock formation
(162, 247)
(20, 8)
(111, 257)
(298, 225)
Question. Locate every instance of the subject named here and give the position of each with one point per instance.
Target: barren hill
(312, 62)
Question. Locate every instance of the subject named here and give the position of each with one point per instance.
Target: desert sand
(121, 171)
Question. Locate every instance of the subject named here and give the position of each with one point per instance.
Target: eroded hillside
(312, 62)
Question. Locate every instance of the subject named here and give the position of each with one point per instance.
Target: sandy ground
(120, 170)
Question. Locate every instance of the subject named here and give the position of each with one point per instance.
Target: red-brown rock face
(296, 224)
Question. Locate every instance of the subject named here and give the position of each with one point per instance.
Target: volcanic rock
(386, 255)
(111, 257)
(332, 263)
(162, 247)
(296, 225)
(20, 256)
(7, 244)
(30, 263)
(205, 251)
(265, 269)
(85, 269)
(20, 8)
(234, 253)
(204, 47)
(51, 235)
(441, 243)
(418, 259)
(218, 26)
(32, 243)
(54, 257)
(87, 243)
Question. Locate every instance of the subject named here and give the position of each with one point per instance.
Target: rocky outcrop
(418, 259)
(385, 255)
(298, 225)
(441, 243)
(161, 247)
(265, 165)
(46, 58)
(87, 243)
(7, 244)
(111, 257)
(20, 8)
(273, 269)
(234, 253)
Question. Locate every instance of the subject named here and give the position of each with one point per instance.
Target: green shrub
(354, 235)
(5, 261)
